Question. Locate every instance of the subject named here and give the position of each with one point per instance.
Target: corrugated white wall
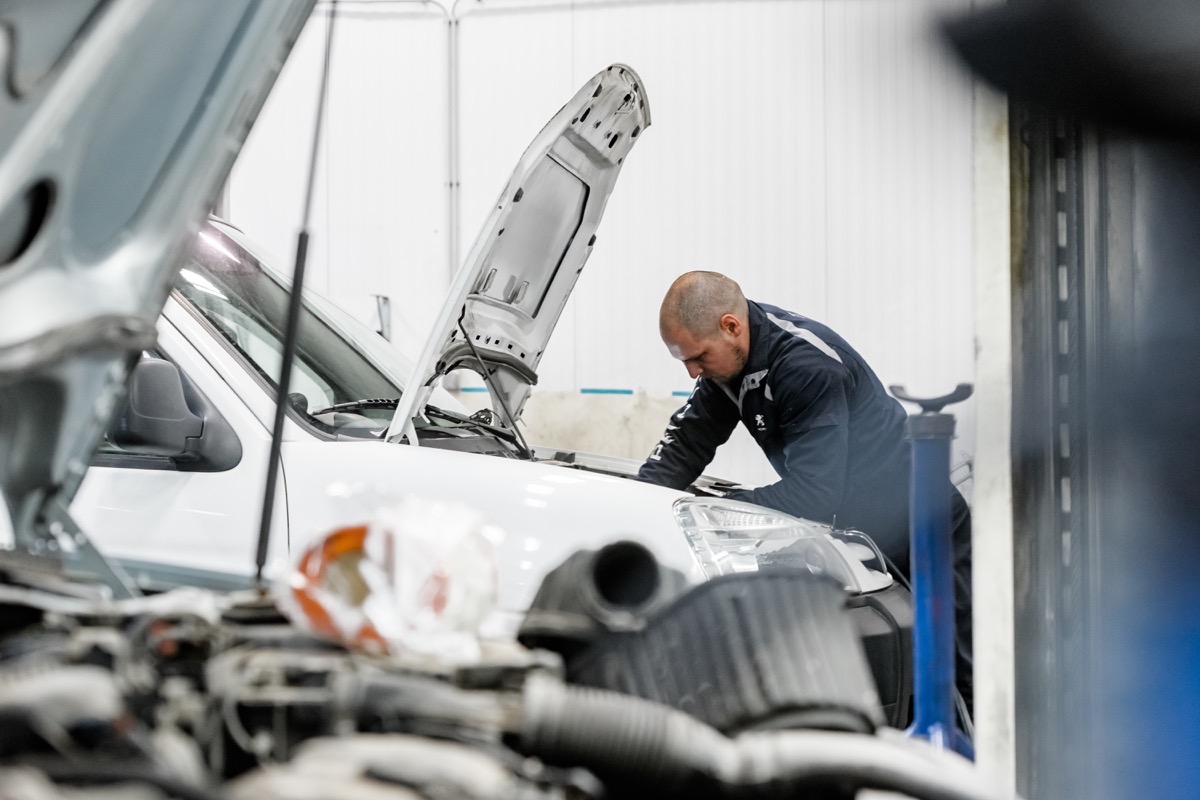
(379, 222)
(818, 151)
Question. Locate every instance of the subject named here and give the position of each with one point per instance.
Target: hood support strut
(293, 317)
(487, 378)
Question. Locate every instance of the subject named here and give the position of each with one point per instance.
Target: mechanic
(817, 410)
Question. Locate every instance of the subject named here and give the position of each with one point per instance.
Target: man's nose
(694, 371)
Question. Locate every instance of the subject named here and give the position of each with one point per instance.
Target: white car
(174, 495)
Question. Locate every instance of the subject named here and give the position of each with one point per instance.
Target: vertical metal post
(931, 562)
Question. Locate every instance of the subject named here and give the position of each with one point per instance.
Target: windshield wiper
(431, 411)
(359, 405)
(473, 422)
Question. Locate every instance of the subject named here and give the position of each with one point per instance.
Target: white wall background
(818, 151)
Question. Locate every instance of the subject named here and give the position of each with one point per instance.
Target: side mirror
(155, 419)
(166, 422)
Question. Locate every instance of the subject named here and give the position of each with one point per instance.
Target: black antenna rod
(293, 316)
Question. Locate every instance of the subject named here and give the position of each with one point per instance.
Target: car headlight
(729, 536)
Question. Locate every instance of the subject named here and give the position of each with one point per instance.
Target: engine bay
(196, 694)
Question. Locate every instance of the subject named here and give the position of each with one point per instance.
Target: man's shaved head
(696, 302)
(704, 322)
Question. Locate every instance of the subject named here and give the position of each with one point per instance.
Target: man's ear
(730, 324)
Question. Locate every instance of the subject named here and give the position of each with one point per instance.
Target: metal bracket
(58, 533)
(932, 405)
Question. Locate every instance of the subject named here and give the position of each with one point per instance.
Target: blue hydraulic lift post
(931, 562)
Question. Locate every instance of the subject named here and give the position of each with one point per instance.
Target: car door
(191, 519)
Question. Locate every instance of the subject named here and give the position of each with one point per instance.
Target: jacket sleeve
(692, 438)
(814, 418)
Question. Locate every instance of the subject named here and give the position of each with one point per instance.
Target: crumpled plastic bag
(417, 577)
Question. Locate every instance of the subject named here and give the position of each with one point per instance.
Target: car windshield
(248, 305)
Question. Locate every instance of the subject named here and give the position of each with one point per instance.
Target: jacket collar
(756, 359)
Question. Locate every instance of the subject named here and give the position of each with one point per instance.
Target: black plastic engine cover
(761, 650)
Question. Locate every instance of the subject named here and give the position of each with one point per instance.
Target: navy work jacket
(825, 422)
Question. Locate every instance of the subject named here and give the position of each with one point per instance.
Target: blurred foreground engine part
(101, 703)
(274, 686)
(81, 714)
(772, 649)
(385, 766)
(509, 727)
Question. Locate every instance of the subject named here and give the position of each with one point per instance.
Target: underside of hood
(511, 290)
(119, 121)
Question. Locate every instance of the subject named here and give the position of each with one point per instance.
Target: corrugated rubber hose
(658, 751)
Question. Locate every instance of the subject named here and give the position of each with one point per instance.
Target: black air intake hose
(639, 748)
(615, 588)
(625, 576)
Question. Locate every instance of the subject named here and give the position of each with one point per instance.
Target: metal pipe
(453, 198)
(533, 6)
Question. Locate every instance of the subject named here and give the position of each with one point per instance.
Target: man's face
(719, 357)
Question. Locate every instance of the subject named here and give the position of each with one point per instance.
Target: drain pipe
(453, 194)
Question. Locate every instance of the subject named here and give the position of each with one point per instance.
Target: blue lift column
(931, 562)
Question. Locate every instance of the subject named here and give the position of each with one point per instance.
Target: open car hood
(119, 121)
(509, 293)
